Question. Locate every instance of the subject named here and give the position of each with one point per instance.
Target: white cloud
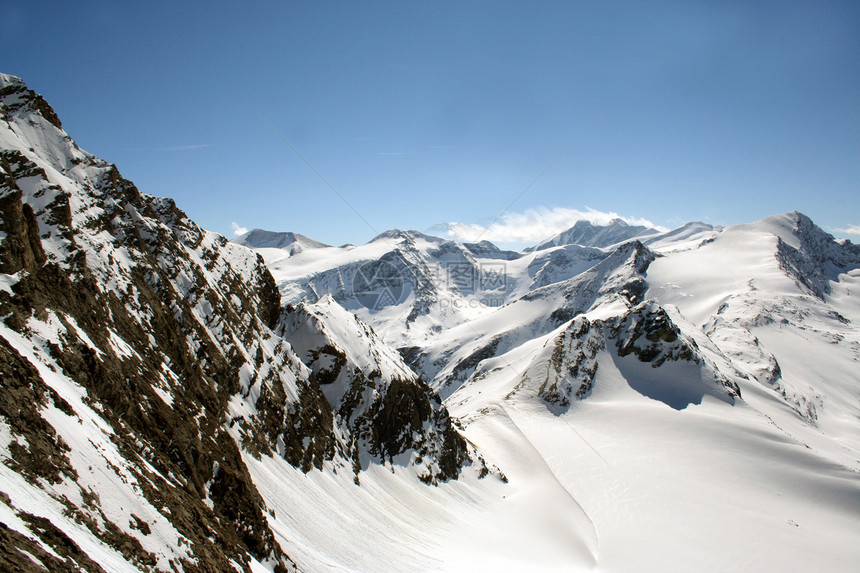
(535, 225)
(849, 230)
(237, 229)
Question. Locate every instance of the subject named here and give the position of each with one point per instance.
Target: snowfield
(655, 469)
(616, 399)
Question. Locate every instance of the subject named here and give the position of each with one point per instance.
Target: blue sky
(421, 114)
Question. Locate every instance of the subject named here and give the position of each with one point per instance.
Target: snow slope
(794, 339)
(741, 454)
(141, 368)
(687, 401)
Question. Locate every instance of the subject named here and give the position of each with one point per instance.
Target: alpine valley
(616, 398)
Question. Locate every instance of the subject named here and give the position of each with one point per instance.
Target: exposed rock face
(566, 369)
(569, 373)
(18, 99)
(619, 275)
(388, 410)
(818, 258)
(121, 316)
(142, 310)
(21, 249)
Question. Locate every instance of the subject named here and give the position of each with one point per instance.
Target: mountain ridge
(175, 401)
(150, 330)
(260, 238)
(588, 234)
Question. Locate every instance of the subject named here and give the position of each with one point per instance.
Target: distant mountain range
(588, 234)
(291, 242)
(616, 398)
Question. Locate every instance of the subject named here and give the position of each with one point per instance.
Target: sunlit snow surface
(625, 482)
(654, 470)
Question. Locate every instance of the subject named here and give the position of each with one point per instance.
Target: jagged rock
(17, 98)
(565, 370)
(572, 366)
(21, 248)
(168, 333)
(376, 398)
(818, 258)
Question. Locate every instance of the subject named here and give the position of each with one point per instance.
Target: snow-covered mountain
(615, 399)
(145, 365)
(588, 234)
(405, 282)
(734, 347)
(389, 412)
(292, 243)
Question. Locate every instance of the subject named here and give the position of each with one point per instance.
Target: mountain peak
(161, 410)
(789, 227)
(148, 334)
(15, 95)
(588, 234)
(808, 253)
(8, 79)
(409, 235)
(262, 239)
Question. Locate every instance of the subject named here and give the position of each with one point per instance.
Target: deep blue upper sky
(426, 113)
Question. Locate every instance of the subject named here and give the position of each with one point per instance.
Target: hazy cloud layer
(238, 229)
(849, 230)
(535, 225)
